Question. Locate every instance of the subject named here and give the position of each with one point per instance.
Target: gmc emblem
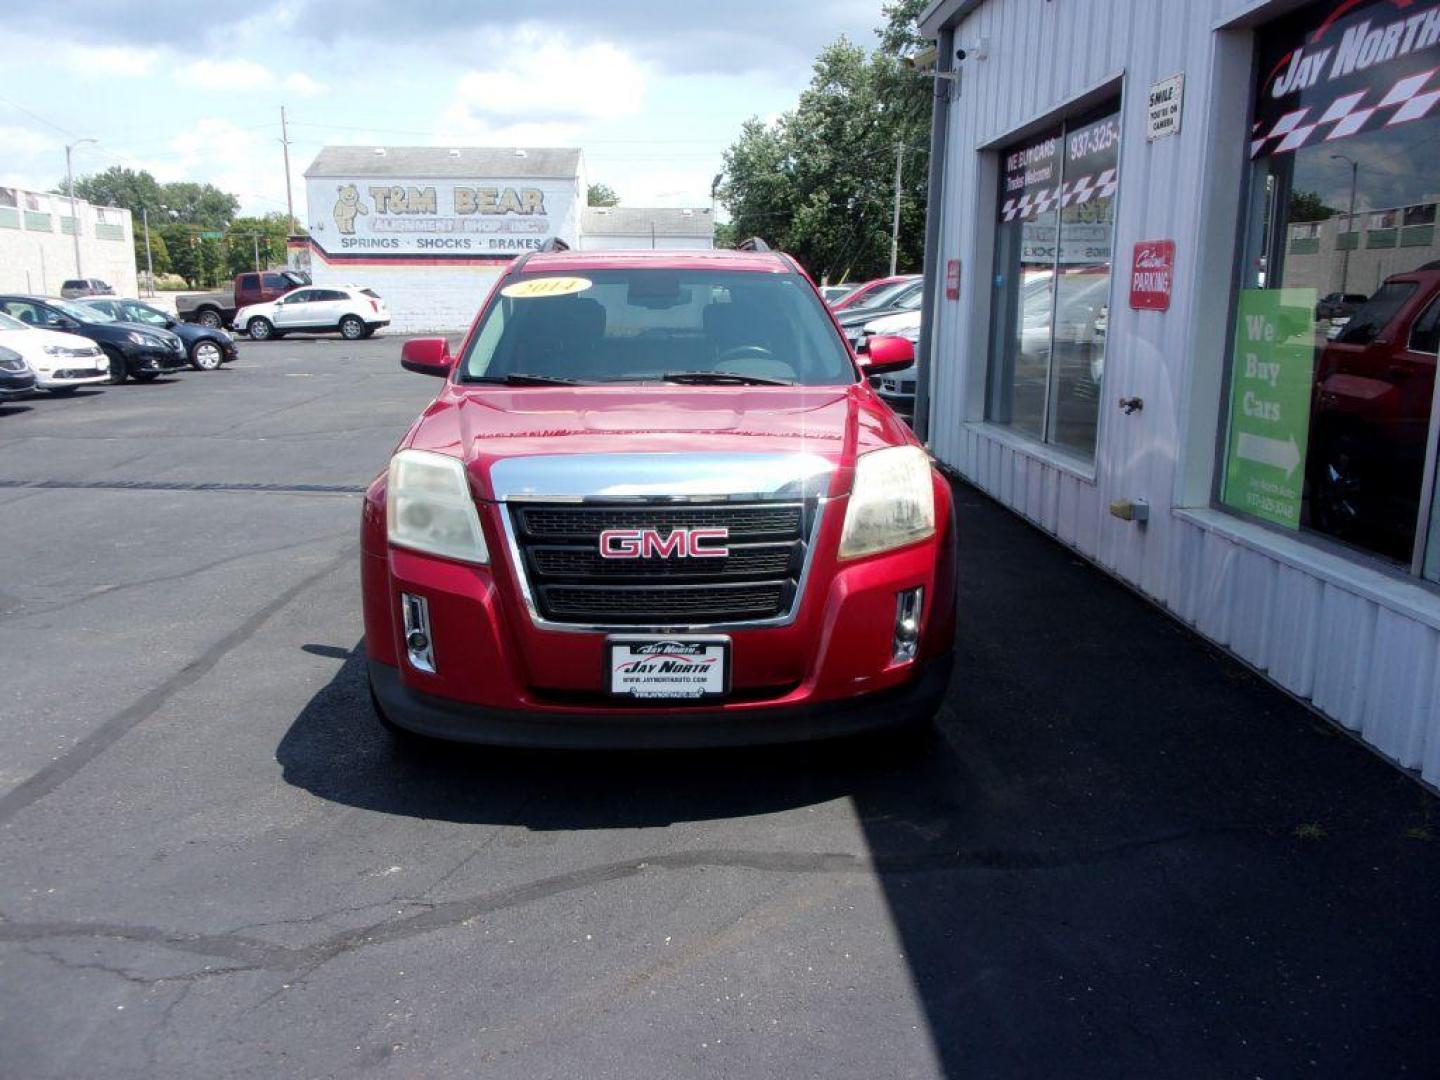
(649, 544)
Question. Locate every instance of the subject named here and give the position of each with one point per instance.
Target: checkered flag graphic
(1410, 98)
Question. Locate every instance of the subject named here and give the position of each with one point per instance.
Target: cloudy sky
(652, 90)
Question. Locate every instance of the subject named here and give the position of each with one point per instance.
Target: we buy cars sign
(1153, 275)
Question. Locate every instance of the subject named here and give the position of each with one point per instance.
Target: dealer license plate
(668, 667)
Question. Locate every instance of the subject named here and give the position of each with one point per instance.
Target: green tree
(200, 204)
(601, 195)
(119, 186)
(820, 181)
(182, 244)
(211, 257)
(1309, 206)
(159, 251)
(247, 234)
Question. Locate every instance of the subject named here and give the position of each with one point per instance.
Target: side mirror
(427, 356)
(885, 353)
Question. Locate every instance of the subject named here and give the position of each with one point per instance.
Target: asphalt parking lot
(1122, 855)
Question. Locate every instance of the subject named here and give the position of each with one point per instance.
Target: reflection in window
(1050, 304)
(1344, 185)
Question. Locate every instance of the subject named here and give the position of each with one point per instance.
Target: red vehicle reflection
(1371, 415)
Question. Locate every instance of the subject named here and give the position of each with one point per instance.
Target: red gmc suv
(657, 504)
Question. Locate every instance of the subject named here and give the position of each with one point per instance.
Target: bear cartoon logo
(346, 207)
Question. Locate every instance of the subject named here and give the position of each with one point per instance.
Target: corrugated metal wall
(1363, 646)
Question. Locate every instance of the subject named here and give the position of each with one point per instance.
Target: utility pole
(255, 238)
(289, 202)
(149, 265)
(70, 187)
(895, 222)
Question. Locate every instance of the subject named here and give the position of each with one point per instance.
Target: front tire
(209, 318)
(206, 356)
(352, 328)
(119, 370)
(260, 328)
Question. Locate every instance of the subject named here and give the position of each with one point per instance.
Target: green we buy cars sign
(1270, 383)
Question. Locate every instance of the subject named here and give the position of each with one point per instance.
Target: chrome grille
(569, 582)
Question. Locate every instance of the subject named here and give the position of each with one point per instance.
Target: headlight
(892, 502)
(54, 350)
(429, 507)
(147, 340)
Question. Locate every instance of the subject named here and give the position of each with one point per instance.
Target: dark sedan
(16, 378)
(207, 348)
(135, 350)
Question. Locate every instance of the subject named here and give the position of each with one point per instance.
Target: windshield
(886, 294)
(1365, 325)
(81, 312)
(637, 325)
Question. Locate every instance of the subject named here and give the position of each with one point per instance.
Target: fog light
(418, 647)
(906, 641)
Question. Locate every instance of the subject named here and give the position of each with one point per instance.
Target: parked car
(134, 350)
(831, 293)
(349, 310)
(61, 362)
(76, 287)
(853, 321)
(206, 348)
(895, 388)
(1338, 305)
(1370, 415)
(217, 309)
(873, 292)
(16, 378)
(708, 532)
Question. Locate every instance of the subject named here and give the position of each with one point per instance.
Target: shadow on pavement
(1122, 855)
(337, 750)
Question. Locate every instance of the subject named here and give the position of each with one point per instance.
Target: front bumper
(656, 728)
(73, 375)
(15, 386)
(161, 360)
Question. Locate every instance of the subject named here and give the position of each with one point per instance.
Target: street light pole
(70, 187)
(895, 222)
(149, 264)
(1349, 218)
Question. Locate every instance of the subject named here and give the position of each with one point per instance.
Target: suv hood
(486, 425)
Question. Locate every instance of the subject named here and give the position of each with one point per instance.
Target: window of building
(1328, 411)
(1051, 296)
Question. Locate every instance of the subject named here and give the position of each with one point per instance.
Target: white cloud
(246, 163)
(543, 77)
(297, 82)
(223, 75)
(97, 62)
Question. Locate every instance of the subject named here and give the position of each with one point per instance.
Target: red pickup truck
(656, 503)
(1374, 385)
(217, 309)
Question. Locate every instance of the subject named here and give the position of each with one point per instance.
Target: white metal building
(627, 227)
(1183, 262)
(430, 228)
(37, 243)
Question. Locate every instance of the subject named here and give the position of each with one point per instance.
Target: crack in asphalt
(86, 750)
(254, 953)
(30, 608)
(178, 485)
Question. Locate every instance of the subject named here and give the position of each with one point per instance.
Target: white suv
(349, 310)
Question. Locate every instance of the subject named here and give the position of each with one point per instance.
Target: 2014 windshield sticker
(542, 287)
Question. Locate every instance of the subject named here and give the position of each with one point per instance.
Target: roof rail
(752, 244)
(554, 244)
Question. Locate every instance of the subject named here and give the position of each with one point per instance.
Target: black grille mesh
(571, 582)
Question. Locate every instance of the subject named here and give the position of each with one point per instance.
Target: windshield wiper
(722, 378)
(520, 378)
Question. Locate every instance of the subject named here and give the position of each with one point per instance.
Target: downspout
(939, 126)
